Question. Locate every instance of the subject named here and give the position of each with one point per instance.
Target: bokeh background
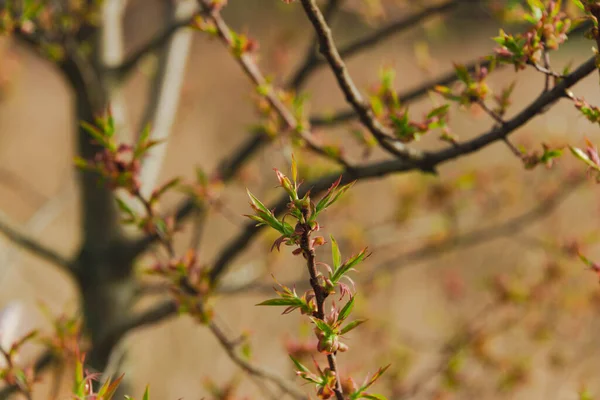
(430, 282)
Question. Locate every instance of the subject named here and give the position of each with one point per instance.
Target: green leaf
(373, 397)
(299, 365)
(100, 137)
(462, 73)
(348, 265)
(164, 188)
(335, 253)
(124, 207)
(583, 157)
(345, 312)
(352, 325)
(146, 394)
(294, 170)
(438, 111)
(579, 4)
(288, 301)
(323, 326)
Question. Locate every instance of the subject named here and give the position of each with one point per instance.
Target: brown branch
(308, 251)
(42, 363)
(381, 169)
(339, 117)
(28, 243)
(254, 370)
(312, 62)
(470, 239)
(328, 49)
(311, 57)
(251, 69)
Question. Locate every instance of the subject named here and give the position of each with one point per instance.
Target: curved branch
(120, 72)
(30, 244)
(312, 62)
(328, 49)
(429, 161)
(339, 117)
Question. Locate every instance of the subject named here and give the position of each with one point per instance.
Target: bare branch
(155, 43)
(46, 360)
(30, 244)
(254, 370)
(312, 62)
(37, 222)
(420, 91)
(113, 13)
(327, 47)
(164, 99)
(251, 69)
(430, 160)
(476, 237)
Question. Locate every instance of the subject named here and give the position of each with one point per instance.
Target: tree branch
(328, 49)
(252, 369)
(28, 243)
(312, 61)
(406, 97)
(113, 13)
(470, 239)
(311, 57)
(45, 361)
(251, 69)
(164, 99)
(120, 72)
(430, 160)
(413, 94)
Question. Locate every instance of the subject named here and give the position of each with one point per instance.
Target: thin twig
(251, 69)
(381, 169)
(311, 57)
(312, 62)
(112, 50)
(476, 237)
(251, 369)
(328, 49)
(43, 362)
(28, 243)
(339, 117)
(155, 43)
(162, 107)
(308, 251)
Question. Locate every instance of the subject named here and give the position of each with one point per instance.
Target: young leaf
(345, 312)
(352, 325)
(335, 253)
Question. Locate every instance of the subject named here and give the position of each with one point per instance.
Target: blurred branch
(42, 363)
(251, 69)
(38, 221)
(328, 49)
(254, 370)
(478, 236)
(406, 97)
(508, 228)
(169, 308)
(339, 117)
(25, 241)
(159, 40)
(113, 37)
(164, 98)
(312, 61)
(384, 168)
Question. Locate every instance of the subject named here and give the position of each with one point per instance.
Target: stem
(320, 295)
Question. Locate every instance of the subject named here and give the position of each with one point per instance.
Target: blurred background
(472, 290)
